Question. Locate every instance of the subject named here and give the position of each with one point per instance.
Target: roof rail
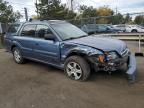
(42, 19)
(31, 20)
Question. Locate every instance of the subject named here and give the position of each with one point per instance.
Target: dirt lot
(34, 85)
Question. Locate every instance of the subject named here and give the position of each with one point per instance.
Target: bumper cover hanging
(131, 72)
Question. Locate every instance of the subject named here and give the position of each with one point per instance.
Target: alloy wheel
(17, 55)
(74, 70)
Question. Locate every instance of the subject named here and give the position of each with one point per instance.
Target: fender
(15, 43)
(79, 50)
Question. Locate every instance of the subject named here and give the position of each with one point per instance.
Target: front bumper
(110, 65)
(131, 72)
(117, 64)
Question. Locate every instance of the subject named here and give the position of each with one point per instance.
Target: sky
(123, 6)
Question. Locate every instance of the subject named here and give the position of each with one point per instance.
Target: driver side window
(41, 30)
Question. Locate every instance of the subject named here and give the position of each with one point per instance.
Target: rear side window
(28, 31)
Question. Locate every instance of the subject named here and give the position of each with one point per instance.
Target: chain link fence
(95, 24)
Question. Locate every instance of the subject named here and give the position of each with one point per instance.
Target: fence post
(139, 53)
(95, 24)
(81, 22)
(139, 43)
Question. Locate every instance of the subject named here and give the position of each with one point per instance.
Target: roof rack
(43, 19)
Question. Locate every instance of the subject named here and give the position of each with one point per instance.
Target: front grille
(125, 52)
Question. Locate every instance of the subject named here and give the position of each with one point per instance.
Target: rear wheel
(17, 56)
(77, 68)
(134, 31)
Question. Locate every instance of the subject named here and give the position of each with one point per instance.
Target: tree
(139, 19)
(104, 13)
(53, 9)
(7, 14)
(117, 19)
(35, 17)
(127, 19)
(87, 12)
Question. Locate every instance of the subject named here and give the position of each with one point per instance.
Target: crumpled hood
(105, 44)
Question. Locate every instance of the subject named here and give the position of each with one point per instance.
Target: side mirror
(49, 37)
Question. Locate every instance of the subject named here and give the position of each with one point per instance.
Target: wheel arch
(77, 53)
(15, 44)
(12, 47)
(134, 30)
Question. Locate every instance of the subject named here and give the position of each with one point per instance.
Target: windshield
(68, 31)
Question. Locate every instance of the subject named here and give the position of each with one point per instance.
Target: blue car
(65, 46)
(100, 28)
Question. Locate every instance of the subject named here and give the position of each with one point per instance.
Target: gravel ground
(35, 85)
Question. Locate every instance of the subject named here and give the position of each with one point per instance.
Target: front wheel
(134, 31)
(77, 68)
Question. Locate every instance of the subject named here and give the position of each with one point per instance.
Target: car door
(46, 50)
(25, 40)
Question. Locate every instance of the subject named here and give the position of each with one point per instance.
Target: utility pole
(72, 5)
(26, 14)
(116, 10)
(37, 8)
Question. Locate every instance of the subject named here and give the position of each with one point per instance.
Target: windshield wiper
(83, 36)
(76, 37)
(71, 38)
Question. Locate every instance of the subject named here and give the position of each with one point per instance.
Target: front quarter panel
(68, 48)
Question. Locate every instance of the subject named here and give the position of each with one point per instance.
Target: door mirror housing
(49, 37)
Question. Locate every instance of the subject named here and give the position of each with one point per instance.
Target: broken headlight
(111, 55)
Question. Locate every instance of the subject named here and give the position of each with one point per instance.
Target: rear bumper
(131, 72)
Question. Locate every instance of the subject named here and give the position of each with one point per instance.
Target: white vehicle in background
(121, 27)
(134, 28)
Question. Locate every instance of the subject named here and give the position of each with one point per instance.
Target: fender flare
(15, 44)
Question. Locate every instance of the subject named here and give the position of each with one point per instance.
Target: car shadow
(42, 65)
(103, 75)
(95, 76)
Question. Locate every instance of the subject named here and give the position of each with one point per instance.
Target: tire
(134, 31)
(77, 68)
(17, 56)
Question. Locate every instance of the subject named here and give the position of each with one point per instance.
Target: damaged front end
(131, 72)
(112, 61)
